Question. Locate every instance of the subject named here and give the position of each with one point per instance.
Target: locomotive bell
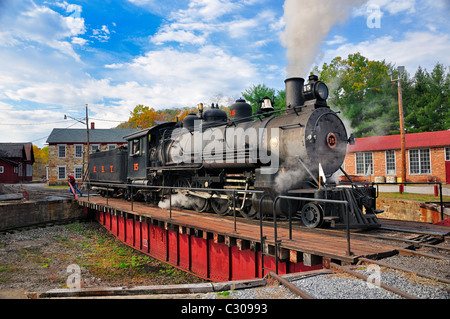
(266, 105)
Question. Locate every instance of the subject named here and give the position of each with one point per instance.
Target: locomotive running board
(205, 195)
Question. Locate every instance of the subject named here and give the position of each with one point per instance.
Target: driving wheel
(312, 215)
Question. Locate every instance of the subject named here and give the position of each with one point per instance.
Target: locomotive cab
(138, 148)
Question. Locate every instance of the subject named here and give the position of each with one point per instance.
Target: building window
(78, 172)
(390, 162)
(62, 151)
(61, 172)
(447, 153)
(2, 169)
(419, 161)
(29, 169)
(95, 147)
(364, 163)
(111, 147)
(78, 151)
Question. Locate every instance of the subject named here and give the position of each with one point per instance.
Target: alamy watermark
(374, 18)
(229, 144)
(374, 279)
(74, 279)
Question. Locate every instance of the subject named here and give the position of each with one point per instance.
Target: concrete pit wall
(403, 209)
(29, 213)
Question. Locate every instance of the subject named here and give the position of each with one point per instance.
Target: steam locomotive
(292, 152)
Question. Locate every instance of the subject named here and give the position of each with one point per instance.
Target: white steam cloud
(179, 200)
(307, 24)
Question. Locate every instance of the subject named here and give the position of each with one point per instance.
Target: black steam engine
(292, 152)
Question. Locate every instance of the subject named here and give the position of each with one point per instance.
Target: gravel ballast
(37, 260)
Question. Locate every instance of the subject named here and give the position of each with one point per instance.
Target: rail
(277, 242)
(401, 184)
(109, 185)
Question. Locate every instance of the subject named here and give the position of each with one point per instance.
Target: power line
(31, 124)
(92, 118)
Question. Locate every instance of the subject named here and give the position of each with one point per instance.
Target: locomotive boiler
(294, 152)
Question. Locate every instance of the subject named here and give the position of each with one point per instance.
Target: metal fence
(277, 243)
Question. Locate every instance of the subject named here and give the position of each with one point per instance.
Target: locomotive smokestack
(294, 92)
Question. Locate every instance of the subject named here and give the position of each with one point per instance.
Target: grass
(108, 258)
(415, 197)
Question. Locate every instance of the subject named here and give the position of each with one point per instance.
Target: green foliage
(361, 89)
(427, 100)
(257, 92)
(364, 92)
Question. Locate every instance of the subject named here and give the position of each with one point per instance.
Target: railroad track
(413, 239)
(295, 285)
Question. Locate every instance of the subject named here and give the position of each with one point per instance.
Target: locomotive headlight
(315, 90)
(273, 142)
(321, 91)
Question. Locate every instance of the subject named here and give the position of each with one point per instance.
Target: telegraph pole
(401, 70)
(85, 175)
(402, 128)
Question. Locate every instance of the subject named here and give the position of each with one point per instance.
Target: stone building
(427, 158)
(67, 150)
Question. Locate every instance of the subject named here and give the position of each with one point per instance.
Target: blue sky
(56, 56)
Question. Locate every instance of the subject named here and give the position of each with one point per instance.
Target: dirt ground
(40, 259)
(37, 260)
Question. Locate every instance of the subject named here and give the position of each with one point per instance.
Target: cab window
(135, 147)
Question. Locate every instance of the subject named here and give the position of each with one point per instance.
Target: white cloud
(102, 34)
(79, 41)
(29, 24)
(337, 39)
(412, 50)
(181, 36)
(189, 76)
(393, 7)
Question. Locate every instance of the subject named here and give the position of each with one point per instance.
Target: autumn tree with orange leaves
(143, 117)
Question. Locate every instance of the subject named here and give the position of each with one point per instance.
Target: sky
(57, 56)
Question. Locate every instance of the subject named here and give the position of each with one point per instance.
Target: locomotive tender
(291, 152)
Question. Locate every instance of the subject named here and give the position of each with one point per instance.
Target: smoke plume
(178, 200)
(307, 25)
(288, 179)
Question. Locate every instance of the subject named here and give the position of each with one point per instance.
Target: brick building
(67, 150)
(16, 162)
(427, 158)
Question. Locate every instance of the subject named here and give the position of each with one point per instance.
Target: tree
(428, 103)
(144, 117)
(362, 90)
(40, 160)
(257, 92)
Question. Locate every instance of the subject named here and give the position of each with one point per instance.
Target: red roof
(392, 142)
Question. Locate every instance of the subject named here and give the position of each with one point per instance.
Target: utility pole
(86, 158)
(86, 169)
(402, 128)
(401, 70)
